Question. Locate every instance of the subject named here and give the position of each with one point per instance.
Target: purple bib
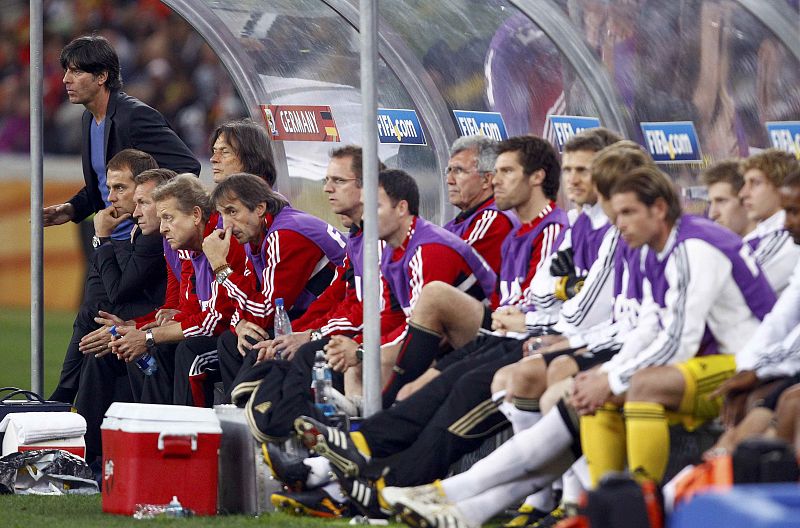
(628, 292)
(396, 272)
(355, 252)
(330, 241)
(173, 260)
(756, 291)
(586, 242)
(458, 225)
(516, 249)
(203, 277)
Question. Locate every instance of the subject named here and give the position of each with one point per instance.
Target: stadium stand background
(164, 63)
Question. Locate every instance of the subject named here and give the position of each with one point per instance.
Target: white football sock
(580, 470)
(541, 449)
(479, 509)
(521, 420)
(542, 500)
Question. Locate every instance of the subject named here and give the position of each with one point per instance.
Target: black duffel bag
(32, 402)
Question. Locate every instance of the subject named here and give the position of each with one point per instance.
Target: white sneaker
(420, 515)
(429, 494)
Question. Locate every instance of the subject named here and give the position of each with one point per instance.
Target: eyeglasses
(336, 182)
(458, 171)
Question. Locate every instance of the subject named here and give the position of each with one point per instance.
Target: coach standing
(113, 121)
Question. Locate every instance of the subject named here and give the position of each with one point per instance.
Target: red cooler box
(154, 452)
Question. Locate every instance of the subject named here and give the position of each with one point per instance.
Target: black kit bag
(31, 402)
(620, 501)
(759, 460)
(273, 397)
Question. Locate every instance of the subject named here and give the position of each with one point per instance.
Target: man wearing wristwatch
(125, 277)
(186, 218)
(292, 255)
(125, 274)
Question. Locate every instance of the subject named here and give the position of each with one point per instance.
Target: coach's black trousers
(158, 387)
(230, 360)
(104, 380)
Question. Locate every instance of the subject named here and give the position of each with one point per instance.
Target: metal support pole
(369, 118)
(37, 166)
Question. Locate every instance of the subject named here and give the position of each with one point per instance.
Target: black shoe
(365, 495)
(316, 503)
(526, 515)
(561, 512)
(331, 443)
(286, 467)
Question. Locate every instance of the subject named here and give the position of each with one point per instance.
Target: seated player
(526, 182)
(132, 273)
(771, 353)
(724, 181)
(648, 214)
(469, 176)
(122, 275)
(709, 282)
(292, 255)
(774, 249)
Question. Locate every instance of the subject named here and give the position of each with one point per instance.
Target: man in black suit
(125, 276)
(137, 267)
(113, 121)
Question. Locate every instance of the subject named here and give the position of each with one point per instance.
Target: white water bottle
(281, 323)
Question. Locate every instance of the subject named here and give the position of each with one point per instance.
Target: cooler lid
(142, 417)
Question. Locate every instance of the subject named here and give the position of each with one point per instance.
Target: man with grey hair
(205, 310)
(481, 224)
(469, 176)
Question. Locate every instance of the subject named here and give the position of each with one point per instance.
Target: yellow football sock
(361, 443)
(648, 438)
(603, 441)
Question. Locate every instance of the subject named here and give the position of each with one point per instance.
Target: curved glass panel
(304, 53)
(488, 56)
(711, 62)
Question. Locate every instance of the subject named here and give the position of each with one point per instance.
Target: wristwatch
(99, 241)
(360, 353)
(149, 341)
(316, 335)
(223, 274)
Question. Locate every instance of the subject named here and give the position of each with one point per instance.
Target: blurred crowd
(165, 63)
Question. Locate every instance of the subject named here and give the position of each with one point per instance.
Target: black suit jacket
(129, 124)
(126, 279)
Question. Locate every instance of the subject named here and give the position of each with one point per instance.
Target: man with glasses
(469, 176)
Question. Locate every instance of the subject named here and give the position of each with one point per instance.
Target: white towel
(40, 426)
